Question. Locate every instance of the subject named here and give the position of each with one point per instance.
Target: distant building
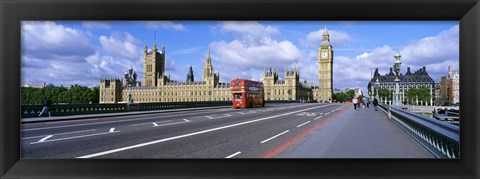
(158, 87)
(291, 88)
(407, 81)
(453, 86)
(37, 85)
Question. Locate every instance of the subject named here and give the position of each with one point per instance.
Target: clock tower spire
(325, 68)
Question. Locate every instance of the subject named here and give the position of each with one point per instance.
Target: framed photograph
(231, 89)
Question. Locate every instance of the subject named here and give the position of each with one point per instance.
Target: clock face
(324, 54)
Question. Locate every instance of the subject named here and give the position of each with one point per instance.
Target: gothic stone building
(407, 81)
(288, 89)
(158, 87)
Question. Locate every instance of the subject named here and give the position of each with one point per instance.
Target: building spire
(154, 41)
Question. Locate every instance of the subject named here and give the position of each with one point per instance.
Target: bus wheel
(263, 104)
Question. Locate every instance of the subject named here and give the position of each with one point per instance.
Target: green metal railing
(72, 109)
(439, 136)
(177, 105)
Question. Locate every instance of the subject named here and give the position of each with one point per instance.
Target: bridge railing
(440, 136)
(72, 109)
(79, 109)
(177, 105)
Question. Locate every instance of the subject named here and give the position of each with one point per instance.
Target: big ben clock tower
(325, 68)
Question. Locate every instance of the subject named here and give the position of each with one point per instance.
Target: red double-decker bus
(247, 93)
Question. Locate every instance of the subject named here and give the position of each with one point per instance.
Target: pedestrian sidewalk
(87, 116)
(364, 133)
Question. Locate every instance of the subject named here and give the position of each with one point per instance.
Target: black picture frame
(14, 11)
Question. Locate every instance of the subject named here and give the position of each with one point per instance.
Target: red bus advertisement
(247, 93)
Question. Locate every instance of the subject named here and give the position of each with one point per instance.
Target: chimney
(424, 69)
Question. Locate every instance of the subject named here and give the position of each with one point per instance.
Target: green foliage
(421, 93)
(385, 93)
(75, 95)
(341, 97)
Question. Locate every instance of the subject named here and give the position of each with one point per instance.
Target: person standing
(375, 103)
(46, 107)
(354, 101)
(367, 102)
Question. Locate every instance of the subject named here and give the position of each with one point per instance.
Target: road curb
(89, 116)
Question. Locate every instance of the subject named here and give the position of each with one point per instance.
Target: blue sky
(81, 52)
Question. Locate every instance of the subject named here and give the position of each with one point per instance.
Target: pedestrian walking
(375, 103)
(46, 107)
(367, 102)
(354, 101)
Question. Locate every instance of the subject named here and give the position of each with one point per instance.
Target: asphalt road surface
(213, 133)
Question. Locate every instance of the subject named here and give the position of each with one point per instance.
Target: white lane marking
(191, 134)
(112, 130)
(59, 134)
(169, 124)
(186, 120)
(116, 121)
(209, 117)
(45, 138)
(155, 124)
(266, 140)
(327, 113)
(75, 137)
(332, 110)
(150, 123)
(233, 155)
(318, 117)
(303, 124)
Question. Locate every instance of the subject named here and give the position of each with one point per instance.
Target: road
(214, 133)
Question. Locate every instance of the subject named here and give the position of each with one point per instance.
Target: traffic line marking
(280, 148)
(233, 155)
(112, 130)
(150, 123)
(169, 124)
(192, 134)
(318, 117)
(74, 137)
(186, 120)
(275, 136)
(155, 124)
(59, 134)
(303, 124)
(45, 138)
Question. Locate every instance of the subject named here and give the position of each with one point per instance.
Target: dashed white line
(275, 136)
(75, 137)
(327, 113)
(303, 124)
(155, 124)
(59, 134)
(150, 123)
(209, 117)
(169, 124)
(186, 120)
(318, 117)
(45, 138)
(233, 155)
(190, 134)
(112, 130)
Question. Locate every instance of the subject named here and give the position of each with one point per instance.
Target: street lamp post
(130, 78)
(397, 98)
(376, 88)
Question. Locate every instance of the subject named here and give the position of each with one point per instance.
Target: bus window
(238, 97)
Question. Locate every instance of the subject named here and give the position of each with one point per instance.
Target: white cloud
(47, 40)
(435, 52)
(166, 25)
(337, 38)
(253, 49)
(122, 45)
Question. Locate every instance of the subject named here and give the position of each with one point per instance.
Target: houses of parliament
(158, 87)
